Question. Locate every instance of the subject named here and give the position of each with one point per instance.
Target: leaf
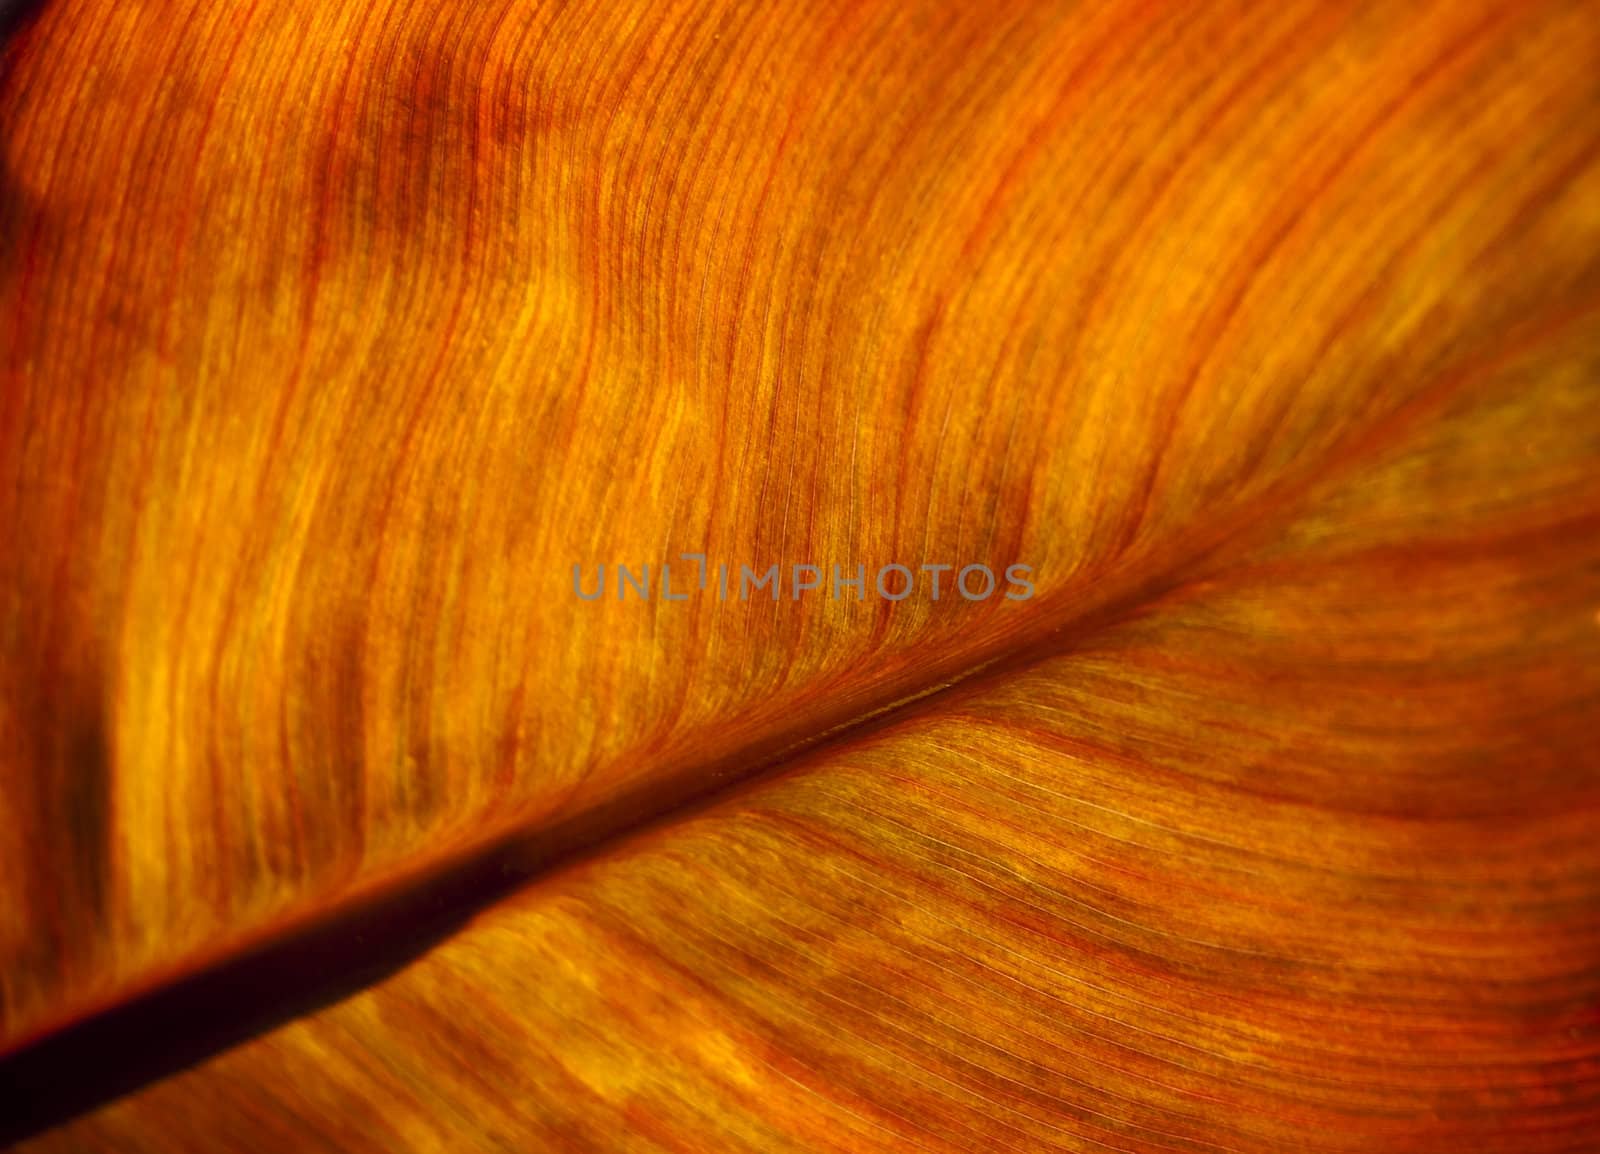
(1265, 335)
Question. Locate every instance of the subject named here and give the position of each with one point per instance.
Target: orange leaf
(1258, 816)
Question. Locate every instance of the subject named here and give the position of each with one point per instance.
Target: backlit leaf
(1267, 338)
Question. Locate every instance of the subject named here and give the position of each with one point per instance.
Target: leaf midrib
(310, 957)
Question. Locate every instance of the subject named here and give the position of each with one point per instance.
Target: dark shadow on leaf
(114, 1053)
